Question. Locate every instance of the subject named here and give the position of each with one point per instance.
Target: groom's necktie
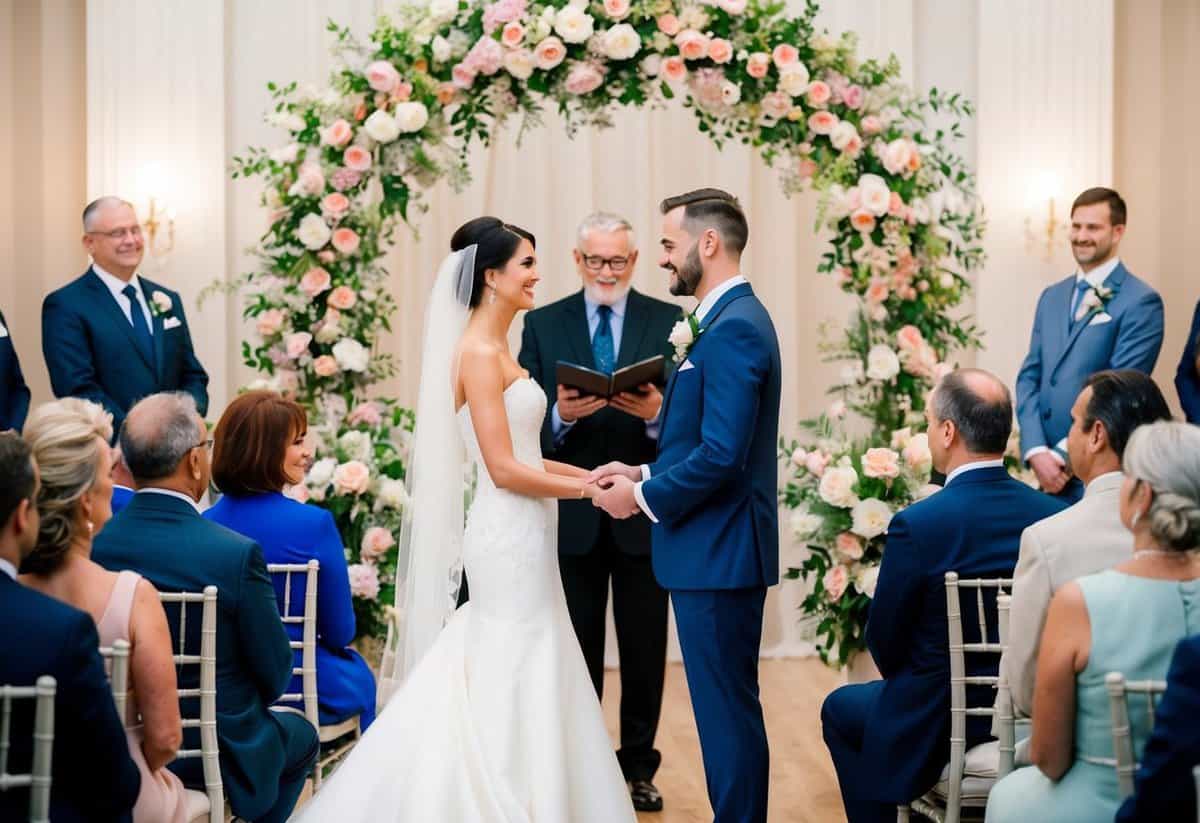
(141, 332)
(603, 350)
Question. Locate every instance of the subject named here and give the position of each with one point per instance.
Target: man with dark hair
(1101, 317)
(93, 776)
(14, 394)
(1088, 537)
(265, 755)
(897, 730)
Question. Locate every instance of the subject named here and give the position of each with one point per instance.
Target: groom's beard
(687, 278)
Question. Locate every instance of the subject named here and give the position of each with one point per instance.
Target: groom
(712, 491)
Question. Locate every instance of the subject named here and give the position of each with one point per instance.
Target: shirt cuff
(641, 499)
(652, 428)
(1044, 450)
(558, 426)
(645, 472)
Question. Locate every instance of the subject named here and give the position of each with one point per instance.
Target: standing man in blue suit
(1187, 376)
(712, 492)
(14, 394)
(111, 335)
(890, 738)
(1101, 317)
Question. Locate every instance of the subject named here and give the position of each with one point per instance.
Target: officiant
(608, 325)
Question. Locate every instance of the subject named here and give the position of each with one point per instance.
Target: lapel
(633, 329)
(1073, 329)
(156, 324)
(107, 304)
(576, 328)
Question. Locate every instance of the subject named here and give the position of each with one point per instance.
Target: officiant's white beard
(608, 296)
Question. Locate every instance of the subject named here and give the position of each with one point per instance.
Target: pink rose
(344, 179)
(881, 462)
(732, 7)
(849, 546)
(668, 24)
(616, 9)
(366, 413)
(845, 276)
(895, 205)
(583, 78)
(818, 93)
(549, 53)
(501, 12)
(463, 76)
(375, 543)
(836, 580)
(402, 92)
(674, 69)
(364, 580)
(345, 240)
(337, 133)
(853, 97)
(382, 76)
(512, 35)
(692, 44)
(335, 205)
(325, 256)
(776, 105)
(720, 50)
(909, 338)
(342, 298)
(816, 462)
(287, 379)
(270, 322)
(351, 477)
(485, 57)
(822, 122)
(314, 281)
(871, 124)
(357, 158)
(853, 146)
(310, 179)
(325, 366)
(806, 168)
(297, 344)
(878, 291)
(784, 55)
(863, 221)
(758, 64)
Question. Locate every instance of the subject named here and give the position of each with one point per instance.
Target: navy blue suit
(94, 778)
(291, 532)
(1187, 379)
(889, 739)
(713, 490)
(265, 755)
(14, 394)
(1164, 789)
(91, 350)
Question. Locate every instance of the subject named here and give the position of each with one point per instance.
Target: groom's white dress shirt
(701, 312)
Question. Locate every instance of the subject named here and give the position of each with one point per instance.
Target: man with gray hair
(265, 755)
(608, 325)
(111, 335)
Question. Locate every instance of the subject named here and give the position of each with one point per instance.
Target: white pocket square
(1100, 319)
(3, 331)
(171, 323)
(687, 364)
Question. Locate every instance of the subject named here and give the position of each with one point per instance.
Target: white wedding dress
(499, 721)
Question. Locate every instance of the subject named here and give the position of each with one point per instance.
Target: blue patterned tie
(1081, 288)
(141, 332)
(602, 341)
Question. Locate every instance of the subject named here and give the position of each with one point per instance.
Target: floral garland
(400, 113)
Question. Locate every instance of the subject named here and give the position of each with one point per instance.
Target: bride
(495, 717)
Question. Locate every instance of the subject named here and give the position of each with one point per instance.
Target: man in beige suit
(1088, 537)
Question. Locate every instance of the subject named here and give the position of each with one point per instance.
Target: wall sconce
(160, 229)
(1044, 233)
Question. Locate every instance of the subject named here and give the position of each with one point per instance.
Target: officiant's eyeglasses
(596, 263)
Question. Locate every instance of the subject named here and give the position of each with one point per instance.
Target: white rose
(946, 280)
(882, 363)
(805, 523)
(681, 335)
(351, 355)
(443, 10)
(871, 518)
(842, 134)
(928, 490)
(391, 495)
(866, 579)
(874, 194)
(519, 63)
(621, 42)
(357, 445)
(441, 49)
(320, 474)
(651, 65)
(572, 25)
(731, 93)
(917, 454)
(920, 210)
(411, 117)
(286, 154)
(794, 79)
(328, 333)
(313, 231)
(161, 300)
(837, 486)
(381, 127)
(286, 120)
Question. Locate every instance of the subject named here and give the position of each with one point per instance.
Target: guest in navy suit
(111, 335)
(889, 738)
(1101, 317)
(93, 778)
(1164, 789)
(1187, 376)
(265, 755)
(259, 448)
(14, 394)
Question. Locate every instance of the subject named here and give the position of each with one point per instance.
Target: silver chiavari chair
(39, 776)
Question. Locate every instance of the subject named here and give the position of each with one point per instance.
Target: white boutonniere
(1094, 299)
(684, 335)
(160, 303)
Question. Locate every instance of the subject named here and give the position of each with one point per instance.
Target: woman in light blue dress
(1128, 620)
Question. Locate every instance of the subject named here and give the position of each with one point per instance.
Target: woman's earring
(91, 527)
(492, 296)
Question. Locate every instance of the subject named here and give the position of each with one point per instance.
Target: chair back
(1118, 691)
(1196, 779)
(307, 619)
(205, 695)
(41, 764)
(116, 660)
(1005, 716)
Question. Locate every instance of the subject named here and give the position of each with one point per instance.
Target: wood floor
(803, 785)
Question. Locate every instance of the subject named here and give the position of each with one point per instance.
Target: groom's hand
(618, 499)
(604, 474)
(644, 403)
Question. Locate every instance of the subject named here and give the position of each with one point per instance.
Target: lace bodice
(525, 404)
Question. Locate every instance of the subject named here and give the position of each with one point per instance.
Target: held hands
(574, 405)
(614, 489)
(1052, 475)
(644, 403)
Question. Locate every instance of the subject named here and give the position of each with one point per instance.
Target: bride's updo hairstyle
(497, 242)
(1166, 457)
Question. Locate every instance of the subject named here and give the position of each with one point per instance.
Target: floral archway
(896, 204)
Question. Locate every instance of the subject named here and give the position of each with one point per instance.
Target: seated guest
(897, 730)
(93, 778)
(259, 447)
(1129, 620)
(14, 394)
(69, 439)
(1089, 536)
(1187, 376)
(122, 482)
(265, 755)
(1164, 788)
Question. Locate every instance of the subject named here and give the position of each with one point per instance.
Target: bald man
(111, 335)
(898, 729)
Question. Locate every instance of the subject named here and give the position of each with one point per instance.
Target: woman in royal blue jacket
(259, 447)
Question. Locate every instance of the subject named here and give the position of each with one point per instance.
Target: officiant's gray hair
(606, 222)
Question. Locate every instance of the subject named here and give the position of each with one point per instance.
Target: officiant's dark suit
(593, 548)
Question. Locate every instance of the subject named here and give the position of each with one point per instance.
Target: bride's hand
(601, 473)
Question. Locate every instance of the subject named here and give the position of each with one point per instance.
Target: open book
(590, 381)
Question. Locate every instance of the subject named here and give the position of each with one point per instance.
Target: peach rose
(366, 413)
(463, 76)
(270, 322)
(674, 69)
(836, 580)
(818, 93)
(512, 35)
(806, 168)
(863, 221)
(342, 298)
(325, 366)
(337, 133)
(909, 338)
(583, 79)
(335, 204)
(549, 53)
(878, 291)
(692, 44)
(401, 93)
(917, 454)
(849, 546)
(853, 146)
(668, 24)
(853, 97)
(376, 541)
(446, 93)
(895, 205)
(757, 64)
(345, 240)
(881, 462)
(314, 281)
(325, 256)
(616, 9)
(816, 462)
(357, 158)
(822, 122)
(297, 344)
(382, 75)
(351, 477)
(871, 124)
(720, 50)
(784, 55)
